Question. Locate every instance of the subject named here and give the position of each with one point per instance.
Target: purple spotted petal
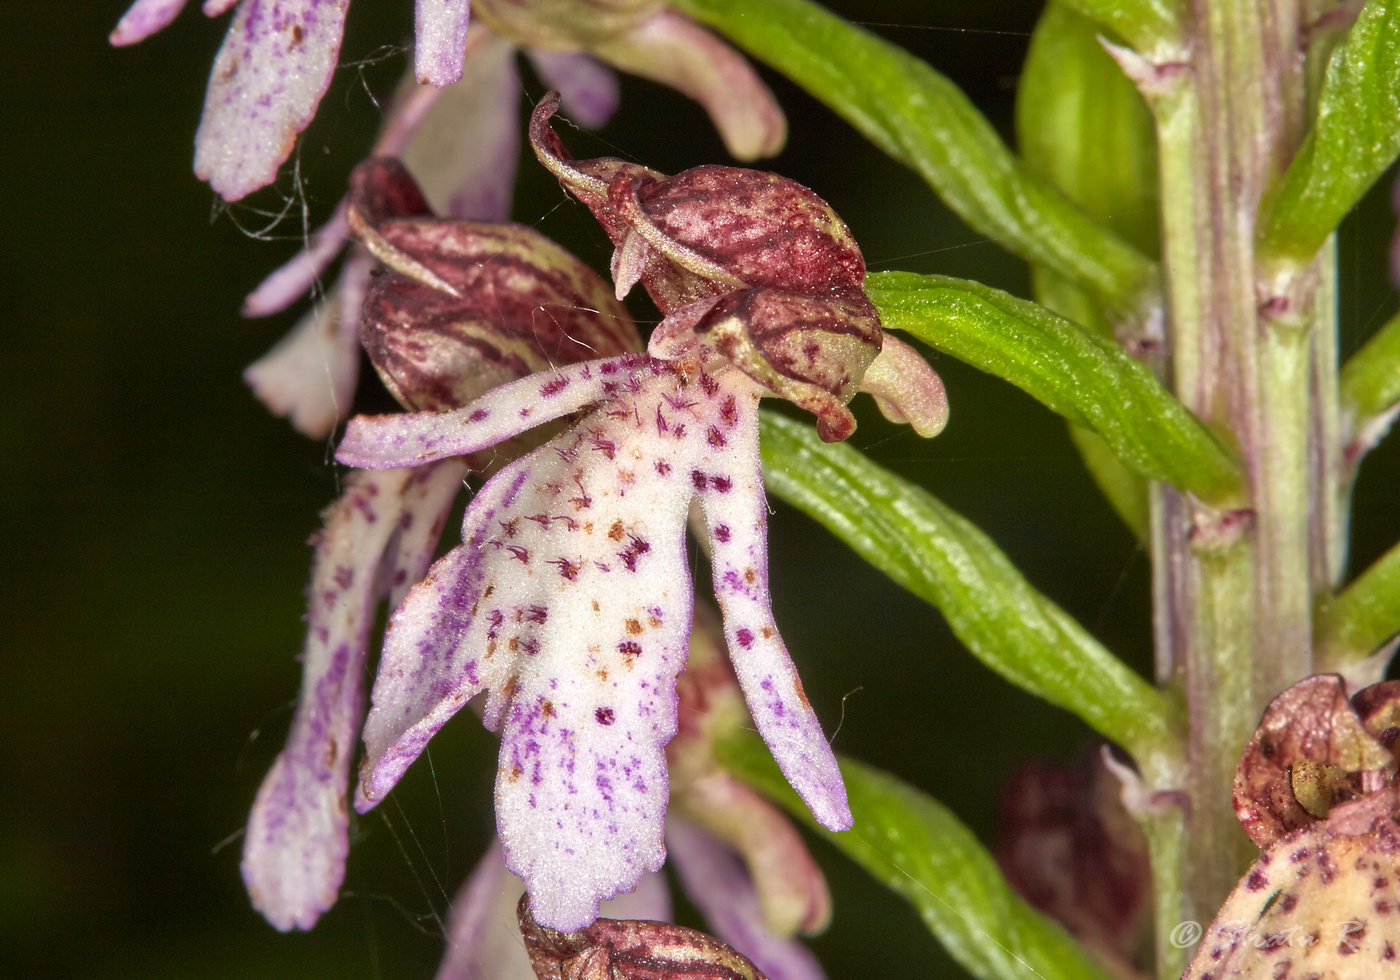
(466, 151)
(310, 375)
(268, 78)
(483, 936)
(683, 55)
(569, 601)
(427, 500)
(440, 45)
(388, 441)
(736, 516)
(587, 89)
(144, 18)
(715, 880)
(290, 281)
(294, 851)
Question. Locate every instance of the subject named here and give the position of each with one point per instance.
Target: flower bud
(621, 949)
(464, 307)
(753, 266)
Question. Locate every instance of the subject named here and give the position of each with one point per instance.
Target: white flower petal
(289, 281)
(441, 40)
(310, 375)
(144, 18)
(736, 515)
(466, 151)
(268, 78)
(294, 851)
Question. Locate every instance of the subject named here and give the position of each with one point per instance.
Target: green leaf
(915, 846)
(1142, 23)
(942, 558)
(1370, 381)
(922, 120)
(1087, 379)
(1125, 490)
(1363, 615)
(1084, 126)
(1355, 138)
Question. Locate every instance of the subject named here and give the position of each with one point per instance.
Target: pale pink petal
(427, 501)
(294, 851)
(791, 889)
(268, 78)
(483, 938)
(483, 935)
(290, 281)
(213, 8)
(388, 441)
(466, 151)
(440, 27)
(144, 18)
(683, 55)
(737, 518)
(587, 89)
(906, 389)
(310, 375)
(715, 881)
(426, 672)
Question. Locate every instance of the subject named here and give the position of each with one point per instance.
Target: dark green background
(156, 516)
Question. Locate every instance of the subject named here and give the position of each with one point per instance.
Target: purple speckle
(604, 716)
(553, 386)
(518, 552)
(721, 483)
(480, 415)
(722, 533)
(629, 648)
(745, 637)
(697, 479)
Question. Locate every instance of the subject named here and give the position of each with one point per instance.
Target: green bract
(1363, 616)
(915, 846)
(1084, 126)
(941, 557)
(923, 120)
(1370, 381)
(1088, 380)
(1141, 22)
(1354, 140)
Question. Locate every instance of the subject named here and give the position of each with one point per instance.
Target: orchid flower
(279, 55)
(462, 143)
(569, 602)
(503, 302)
(754, 905)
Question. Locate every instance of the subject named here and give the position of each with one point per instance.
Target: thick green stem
(1235, 588)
